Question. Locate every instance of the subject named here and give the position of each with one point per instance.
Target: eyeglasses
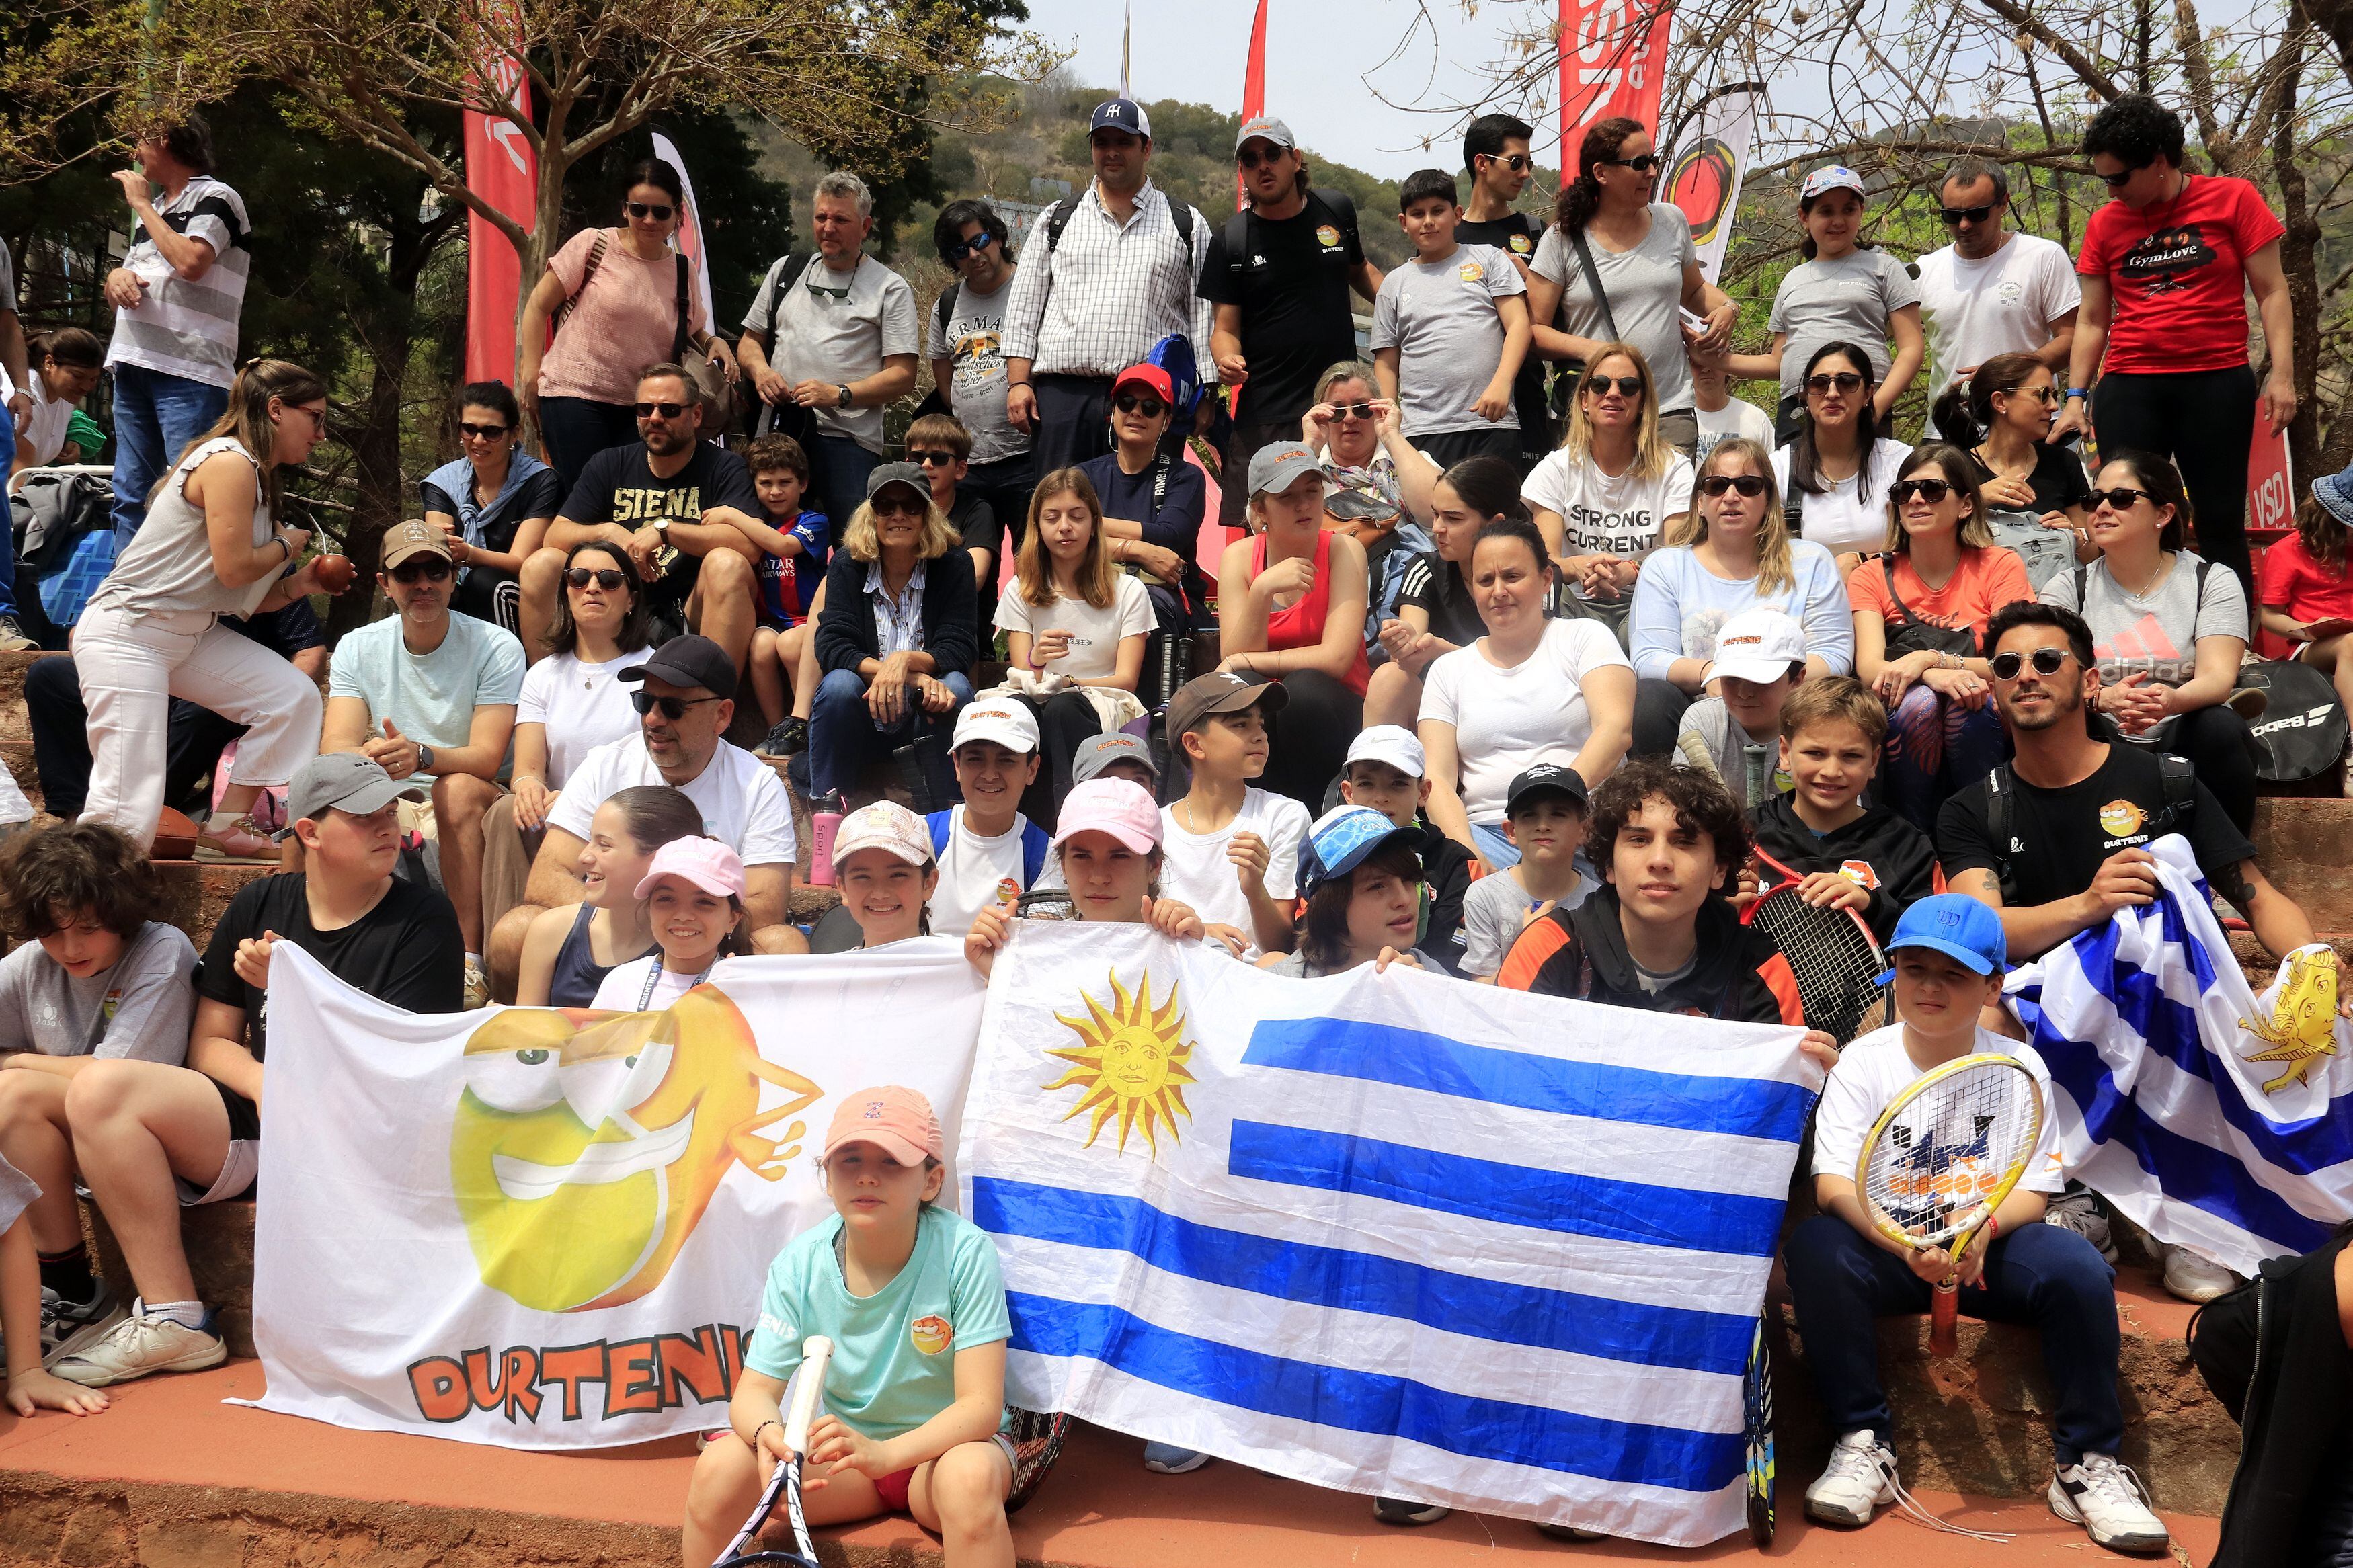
(1515, 162)
(1955, 217)
(1129, 402)
(1933, 492)
(1251, 157)
(936, 460)
(672, 708)
(2047, 661)
(964, 248)
(2120, 499)
(1845, 381)
(1750, 485)
(408, 574)
(899, 507)
(318, 416)
(661, 410)
(657, 211)
(2117, 181)
(480, 432)
(1627, 385)
(1647, 164)
(603, 577)
(1352, 411)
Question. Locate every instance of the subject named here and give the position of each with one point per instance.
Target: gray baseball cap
(342, 781)
(1265, 128)
(1099, 752)
(907, 474)
(1277, 468)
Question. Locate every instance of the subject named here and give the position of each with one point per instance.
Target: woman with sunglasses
(1833, 477)
(2002, 414)
(612, 296)
(2166, 266)
(1608, 495)
(1606, 225)
(1436, 611)
(1920, 615)
(494, 502)
(1731, 552)
(1153, 502)
(1380, 493)
(2168, 630)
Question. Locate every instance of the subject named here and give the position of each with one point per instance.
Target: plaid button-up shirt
(1108, 291)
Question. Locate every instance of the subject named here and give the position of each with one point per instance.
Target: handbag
(709, 373)
(1912, 634)
(2300, 734)
(1567, 373)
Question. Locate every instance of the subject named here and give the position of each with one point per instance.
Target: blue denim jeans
(839, 466)
(843, 736)
(155, 418)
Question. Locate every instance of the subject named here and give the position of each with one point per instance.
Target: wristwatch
(423, 758)
(845, 399)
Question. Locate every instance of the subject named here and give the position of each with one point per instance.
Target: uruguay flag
(2211, 1117)
(1396, 1233)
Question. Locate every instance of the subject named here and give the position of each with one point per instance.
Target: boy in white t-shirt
(1760, 657)
(989, 853)
(1843, 1274)
(1229, 850)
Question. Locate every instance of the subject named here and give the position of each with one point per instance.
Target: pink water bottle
(824, 824)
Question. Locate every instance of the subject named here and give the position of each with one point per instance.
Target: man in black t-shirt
(151, 1138)
(1495, 152)
(1281, 297)
(2083, 809)
(670, 502)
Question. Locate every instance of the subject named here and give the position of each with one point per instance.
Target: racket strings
(1952, 1149)
(1834, 962)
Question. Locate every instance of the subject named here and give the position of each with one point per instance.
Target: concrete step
(171, 1477)
(2305, 844)
(13, 667)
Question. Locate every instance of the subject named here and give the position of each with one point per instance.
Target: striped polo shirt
(184, 329)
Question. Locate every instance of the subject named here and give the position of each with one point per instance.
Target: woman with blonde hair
(1730, 551)
(1072, 622)
(211, 547)
(1605, 499)
(898, 633)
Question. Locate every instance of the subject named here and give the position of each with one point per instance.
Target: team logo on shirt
(587, 1145)
(1008, 893)
(2121, 818)
(1326, 235)
(932, 1333)
(1860, 873)
(2161, 262)
(1472, 272)
(1520, 246)
(1130, 1063)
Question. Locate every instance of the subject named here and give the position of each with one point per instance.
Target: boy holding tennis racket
(1934, 1158)
(913, 1409)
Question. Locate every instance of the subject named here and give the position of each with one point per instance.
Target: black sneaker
(68, 1327)
(1404, 1511)
(786, 739)
(11, 637)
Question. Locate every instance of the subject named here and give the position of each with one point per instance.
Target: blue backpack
(1033, 844)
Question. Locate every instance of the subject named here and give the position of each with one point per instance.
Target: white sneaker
(2107, 1499)
(1860, 1480)
(2194, 1278)
(141, 1344)
(478, 987)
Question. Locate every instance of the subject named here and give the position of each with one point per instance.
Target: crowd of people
(1517, 687)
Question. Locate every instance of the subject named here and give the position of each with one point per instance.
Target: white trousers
(132, 663)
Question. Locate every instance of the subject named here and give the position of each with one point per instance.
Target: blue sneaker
(1171, 1460)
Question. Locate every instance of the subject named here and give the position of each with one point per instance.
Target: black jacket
(1879, 849)
(1446, 866)
(846, 632)
(1738, 975)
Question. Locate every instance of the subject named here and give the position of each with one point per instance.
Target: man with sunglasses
(1992, 290)
(966, 348)
(430, 696)
(1278, 279)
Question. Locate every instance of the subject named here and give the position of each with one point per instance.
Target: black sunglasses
(1930, 490)
(897, 507)
(1750, 485)
(1955, 217)
(481, 432)
(672, 708)
(1627, 385)
(2118, 181)
(666, 410)
(1647, 164)
(603, 577)
(2119, 499)
(1251, 157)
(1129, 402)
(657, 211)
(964, 248)
(1352, 411)
(2047, 661)
(1845, 381)
(429, 571)
(1515, 162)
(932, 460)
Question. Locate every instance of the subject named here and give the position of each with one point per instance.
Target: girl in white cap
(882, 864)
(691, 898)
(1108, 847)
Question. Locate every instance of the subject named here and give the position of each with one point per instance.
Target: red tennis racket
(1831, 952)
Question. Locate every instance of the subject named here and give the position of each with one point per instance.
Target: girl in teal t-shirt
(914, 1395)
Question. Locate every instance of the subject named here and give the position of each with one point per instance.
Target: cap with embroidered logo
(1222, 691)
(1265, 128)
(1955, 925)
(1121, 114)
(1759, 645)
(896, 1119)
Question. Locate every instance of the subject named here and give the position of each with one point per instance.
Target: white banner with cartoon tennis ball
(549, 1228)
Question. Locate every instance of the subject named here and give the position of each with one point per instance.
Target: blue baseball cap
(1955, 925)
(1341, 839)
(1121, 114)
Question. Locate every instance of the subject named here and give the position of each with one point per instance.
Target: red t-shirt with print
(2178, 271)
(2293, 581)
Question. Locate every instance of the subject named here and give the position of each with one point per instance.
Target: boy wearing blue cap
(1947, 951)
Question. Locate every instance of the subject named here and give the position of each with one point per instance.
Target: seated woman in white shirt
(1436, 611)
(1532, 690)
(64, 370)
(1730, 552)
(1606, 497)
(1834, 476)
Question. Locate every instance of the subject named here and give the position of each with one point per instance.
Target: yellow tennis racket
(1941, 1158)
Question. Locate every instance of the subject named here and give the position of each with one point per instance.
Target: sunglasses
(1352, 411)
(1647, 164)
(603, 577)
(1955, 217)
(2040, 393)
(1251, 157)
(410, 572)
(1930, 490)
(1129, 402)
(2119, 181)
(1627, 385)
(1515, 162)
(480, 432)
(2120, 499)
(672, 708)
(964, 248)
(657, 211)
(2047, 661)
(1845, 381)
(935, 459)
(896, 506)
(661, 410)
(1751, 485)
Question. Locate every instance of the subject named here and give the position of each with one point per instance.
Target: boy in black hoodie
(1385, 771)
(1863, 858)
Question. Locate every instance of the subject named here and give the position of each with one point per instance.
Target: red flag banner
(1253, 89)
(501, 168)
(1613, 61)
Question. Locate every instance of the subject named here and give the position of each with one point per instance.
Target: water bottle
(825, 822)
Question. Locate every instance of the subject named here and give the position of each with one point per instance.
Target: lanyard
(653, 978)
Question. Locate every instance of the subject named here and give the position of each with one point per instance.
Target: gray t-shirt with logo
(1645, 286)
(974, 344)
(2154, 633)
(140, 1008)
(1443, 320)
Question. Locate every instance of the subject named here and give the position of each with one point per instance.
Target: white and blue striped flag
(1399, 1234)
(2232, 1139)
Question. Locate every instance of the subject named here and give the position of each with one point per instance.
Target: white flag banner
(1710, 160)
(688, 238)
(1394, 1233)
(548, 1229)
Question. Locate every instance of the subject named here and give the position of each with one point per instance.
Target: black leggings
(2215, 743)
(2205, 421)
(1312, 736)
(1066, 721)
(1658, 708)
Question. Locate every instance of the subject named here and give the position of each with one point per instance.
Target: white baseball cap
(1009, 724)
(1759, 645)
(1831, 177)
(1391, 743)
(885, 825)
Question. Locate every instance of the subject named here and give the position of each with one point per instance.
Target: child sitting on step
(30, 1387)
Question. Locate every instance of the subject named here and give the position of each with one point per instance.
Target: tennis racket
(785, 1486)
(1831, 952)
(1756, 1424)
(1941, 1158)
(1045, 904)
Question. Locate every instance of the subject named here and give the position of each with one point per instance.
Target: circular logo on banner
(1701, 184)
(1326, 235)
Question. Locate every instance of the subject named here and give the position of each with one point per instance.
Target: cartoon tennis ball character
(586, 1144)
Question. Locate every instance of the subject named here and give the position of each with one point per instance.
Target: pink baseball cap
(1117, 806)
(705, 862)
(898, 1120)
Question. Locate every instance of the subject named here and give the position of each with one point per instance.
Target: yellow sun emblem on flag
(1130, 1064)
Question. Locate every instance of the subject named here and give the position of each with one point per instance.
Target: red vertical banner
(1253, 88)
(2270, 510)
(1613, 61)
(501, 168)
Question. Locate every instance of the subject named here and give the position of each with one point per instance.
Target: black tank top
(577, 974)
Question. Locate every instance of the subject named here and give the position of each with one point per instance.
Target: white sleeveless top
(169, 565)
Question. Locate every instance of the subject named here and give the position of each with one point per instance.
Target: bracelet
(2079, 392)
(1993, 1229)
(755, 1443)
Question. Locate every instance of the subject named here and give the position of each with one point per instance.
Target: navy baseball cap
(1121, 114)
(1955, 925)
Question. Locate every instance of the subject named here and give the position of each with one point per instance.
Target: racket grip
(1944, 1322)
(808, 1393)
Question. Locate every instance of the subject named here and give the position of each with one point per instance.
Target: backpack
(1033, 842)
(65, 546)
(2180, 791)
(788, 419)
